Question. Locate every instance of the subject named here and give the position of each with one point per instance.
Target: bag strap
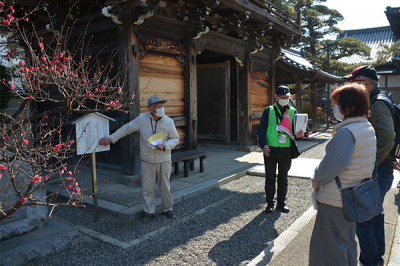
(374, 173)
(277, 115)
(374, 176)
(338, 183)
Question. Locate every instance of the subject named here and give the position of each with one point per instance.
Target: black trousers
(284, 161)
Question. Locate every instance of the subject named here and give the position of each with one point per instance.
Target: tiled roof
(393, 16)
(371, 37)
(294, 58)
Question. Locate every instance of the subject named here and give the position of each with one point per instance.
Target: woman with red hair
(350, 155)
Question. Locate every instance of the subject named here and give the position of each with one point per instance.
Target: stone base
(27, 218)
(23, 221)
(128, 180)
(250, 148)
(53, 238)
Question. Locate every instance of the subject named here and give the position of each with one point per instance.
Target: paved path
(221, 166)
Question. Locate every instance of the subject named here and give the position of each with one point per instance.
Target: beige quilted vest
(362, 162)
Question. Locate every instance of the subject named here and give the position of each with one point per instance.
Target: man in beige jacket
(155, 161)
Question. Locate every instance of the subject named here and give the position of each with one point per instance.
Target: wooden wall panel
(181, 132)
(163, 76)
(259, 96)
(259, 91)
(170, 111)
(162, 66)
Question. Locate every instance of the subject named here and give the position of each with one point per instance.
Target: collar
(374, 92)
(282, 109)
(152, 118)
(348, 121)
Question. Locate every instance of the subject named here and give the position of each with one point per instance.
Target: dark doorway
(213, 101)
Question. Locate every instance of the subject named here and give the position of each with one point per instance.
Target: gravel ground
(224, 226)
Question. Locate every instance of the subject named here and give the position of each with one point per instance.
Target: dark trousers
(371, 233)
(284, 161)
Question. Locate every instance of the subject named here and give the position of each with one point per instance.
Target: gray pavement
(292, 246)
(221, 166)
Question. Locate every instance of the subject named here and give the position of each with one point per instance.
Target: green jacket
(381, 120)
(267, 133)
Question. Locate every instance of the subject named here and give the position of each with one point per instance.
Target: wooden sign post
(90, 128)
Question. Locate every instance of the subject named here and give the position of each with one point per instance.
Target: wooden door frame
(227, 66)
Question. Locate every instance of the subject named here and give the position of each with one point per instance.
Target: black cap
(366, 71)
(282, 91)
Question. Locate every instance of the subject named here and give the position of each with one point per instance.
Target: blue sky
(360, 14)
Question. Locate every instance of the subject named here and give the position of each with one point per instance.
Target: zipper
(354, 188)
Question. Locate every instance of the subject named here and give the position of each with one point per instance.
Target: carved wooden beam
(194, 12)
(60, 12)
(116, 9)
(259, 64)
(220, 45)
(161, 45)
(157, 45)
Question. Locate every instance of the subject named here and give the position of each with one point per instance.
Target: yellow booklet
(156, 139)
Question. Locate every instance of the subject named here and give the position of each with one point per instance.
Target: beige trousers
(151, 172)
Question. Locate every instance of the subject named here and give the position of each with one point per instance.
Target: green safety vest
(271, 133)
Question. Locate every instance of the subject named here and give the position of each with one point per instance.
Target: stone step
(52, 238)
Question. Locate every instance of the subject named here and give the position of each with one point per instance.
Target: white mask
(160, 112)
(283, 102)
(336, 112)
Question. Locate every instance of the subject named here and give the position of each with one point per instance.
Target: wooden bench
(186, 157)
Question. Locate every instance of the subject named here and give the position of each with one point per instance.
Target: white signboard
(89, 130)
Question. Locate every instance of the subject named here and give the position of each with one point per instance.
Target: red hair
(353, 99)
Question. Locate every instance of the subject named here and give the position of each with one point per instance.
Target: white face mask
(336, 112)
(160, 112)
(283, 102)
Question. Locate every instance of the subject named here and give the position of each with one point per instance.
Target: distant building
(373, 37)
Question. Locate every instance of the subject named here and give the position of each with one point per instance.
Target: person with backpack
(371, 234)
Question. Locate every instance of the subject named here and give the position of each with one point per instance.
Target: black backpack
(395, 110)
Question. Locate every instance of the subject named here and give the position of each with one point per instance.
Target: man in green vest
(277, 148)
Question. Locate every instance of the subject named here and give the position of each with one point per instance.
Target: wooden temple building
(217, 62)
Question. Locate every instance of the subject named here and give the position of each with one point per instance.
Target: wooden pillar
(298, 96)
(128, 55)
(245, 131)
(314, 107)
(190, 94)
(272, 85)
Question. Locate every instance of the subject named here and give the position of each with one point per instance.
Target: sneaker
(282, 206)
(169, 214)
(146, 217)
(270, 207)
